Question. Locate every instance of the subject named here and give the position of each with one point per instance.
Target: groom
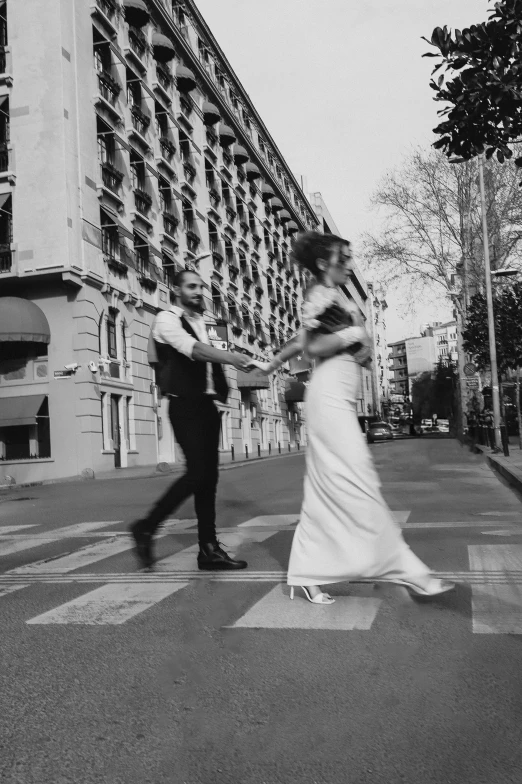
(190, 374)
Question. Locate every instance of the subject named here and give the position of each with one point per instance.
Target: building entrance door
(115, 429)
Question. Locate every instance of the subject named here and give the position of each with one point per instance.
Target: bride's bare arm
(318, 345)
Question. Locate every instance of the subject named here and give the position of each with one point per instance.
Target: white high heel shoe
(435, 587)
(320, 598)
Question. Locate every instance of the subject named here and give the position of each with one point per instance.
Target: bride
(346, 531)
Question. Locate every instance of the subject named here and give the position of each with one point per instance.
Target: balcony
(108, 92)
(116, 264)
(111, 177)
(185, 105)
(170, 223)
(138, 47)
(4, 157)
(214, 196)
(140, 123)
(189, 171)
(143, 201)
(6, 259)
(164, 80)
(105, 11)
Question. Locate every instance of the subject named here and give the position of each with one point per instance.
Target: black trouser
(196, 425)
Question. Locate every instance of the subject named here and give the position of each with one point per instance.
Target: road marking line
(497, 608)
(276, 611)
(11, 589)
(271, 520)
(13, 529)
(470, 577)
(108, 605)
(17, 545)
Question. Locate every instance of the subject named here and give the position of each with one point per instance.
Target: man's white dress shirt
(167, 328)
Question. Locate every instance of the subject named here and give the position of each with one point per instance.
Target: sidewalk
(162, 469)
(510, 468)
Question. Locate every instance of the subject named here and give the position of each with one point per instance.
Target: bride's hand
(264, 367)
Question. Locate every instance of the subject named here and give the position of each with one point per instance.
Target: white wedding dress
(346, 531)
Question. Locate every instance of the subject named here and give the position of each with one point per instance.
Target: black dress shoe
(143, 544)
(212, 557)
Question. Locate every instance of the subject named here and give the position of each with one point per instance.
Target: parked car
(379, 431)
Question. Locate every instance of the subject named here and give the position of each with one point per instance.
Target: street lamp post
(495, 396)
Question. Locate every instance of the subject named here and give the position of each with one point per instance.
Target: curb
(152, 475)
(502, 466)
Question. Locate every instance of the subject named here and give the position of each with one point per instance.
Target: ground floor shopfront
(78, 396)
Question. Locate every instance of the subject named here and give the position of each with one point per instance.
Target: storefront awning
(267, 192)
(136, 12)
(292, 227)
(295, 392)
(22, 321)
(20, 410)
(284, 216)
(277, 205)
(253, 380)
(163, 48)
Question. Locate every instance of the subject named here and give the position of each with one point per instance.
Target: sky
(344, 92)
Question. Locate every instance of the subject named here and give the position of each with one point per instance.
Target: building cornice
(192, 11)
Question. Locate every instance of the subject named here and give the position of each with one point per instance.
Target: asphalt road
(111, 676)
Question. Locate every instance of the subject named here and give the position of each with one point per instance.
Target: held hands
(242, 362)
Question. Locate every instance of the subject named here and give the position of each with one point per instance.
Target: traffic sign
(472, 383)
(470, 369)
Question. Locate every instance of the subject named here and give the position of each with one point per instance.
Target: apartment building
(398, 368)
(357, 291)
(445, 336)
(129, 149)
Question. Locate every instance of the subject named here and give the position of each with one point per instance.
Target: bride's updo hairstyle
(310, 246)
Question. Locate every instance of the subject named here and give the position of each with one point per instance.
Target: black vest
(184, 377)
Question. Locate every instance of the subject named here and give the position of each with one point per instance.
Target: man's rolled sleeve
(169, 329)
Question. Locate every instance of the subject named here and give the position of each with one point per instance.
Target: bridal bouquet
(323, 313)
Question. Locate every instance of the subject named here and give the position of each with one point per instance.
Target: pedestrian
(190, 374)
(346, 531)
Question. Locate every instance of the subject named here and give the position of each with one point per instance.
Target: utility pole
(491, 318)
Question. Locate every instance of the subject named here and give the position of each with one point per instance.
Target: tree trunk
(519, 415)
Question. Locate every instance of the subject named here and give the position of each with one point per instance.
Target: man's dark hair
(312, 245)
(179, 277)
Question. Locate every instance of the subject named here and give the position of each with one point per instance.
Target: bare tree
(431, 235)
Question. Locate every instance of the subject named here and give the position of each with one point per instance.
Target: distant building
(377, 306)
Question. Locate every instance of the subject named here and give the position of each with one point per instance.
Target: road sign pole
(495, 396)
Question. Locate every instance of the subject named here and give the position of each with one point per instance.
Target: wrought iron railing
(140, 120)
(109, 88)
(142, 200)
(111, 176)
(6, 260)
(137, 43)
(108, 7)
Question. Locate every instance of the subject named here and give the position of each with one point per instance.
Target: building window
(112, 344)
(26, 442)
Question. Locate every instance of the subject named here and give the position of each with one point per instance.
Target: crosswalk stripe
(16, 545)
(14, 529)
(497, 608)
(108, 605)
(275, 611)
(84, 556)
(185, 559)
